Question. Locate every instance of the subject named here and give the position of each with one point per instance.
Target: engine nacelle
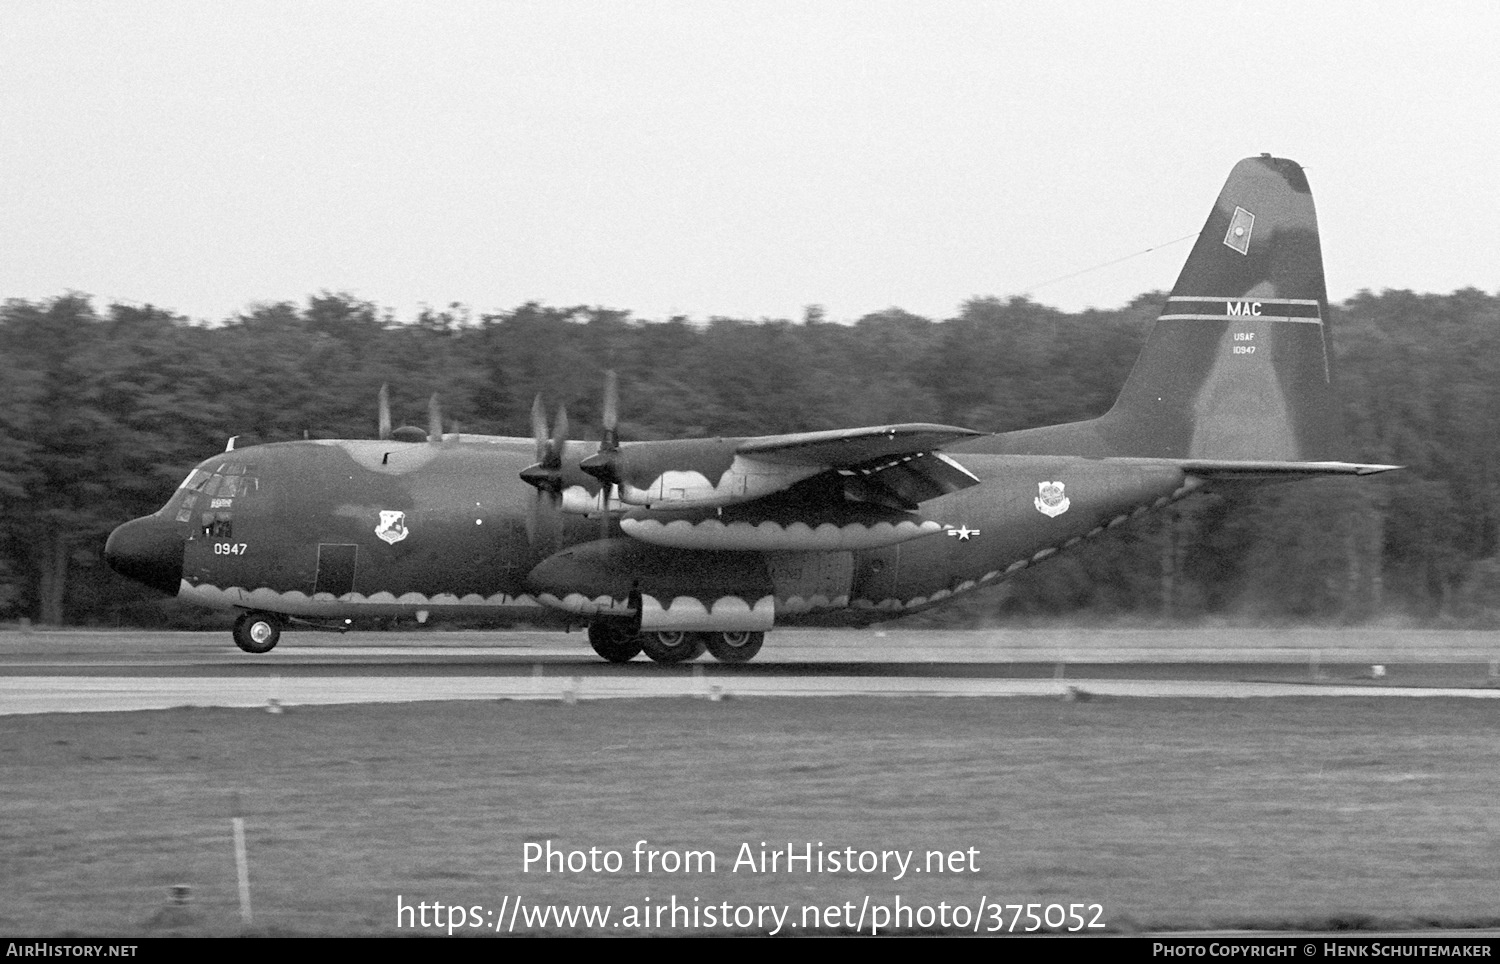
(739, 480)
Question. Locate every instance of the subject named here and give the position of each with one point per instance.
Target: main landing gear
(734, 647)
(673, 647)
(257, 632)
(615, 642)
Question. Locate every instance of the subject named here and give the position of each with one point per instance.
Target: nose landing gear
(256, 632)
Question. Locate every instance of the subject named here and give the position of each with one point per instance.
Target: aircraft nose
(148, 550)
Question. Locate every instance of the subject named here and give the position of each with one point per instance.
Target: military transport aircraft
(680, 546)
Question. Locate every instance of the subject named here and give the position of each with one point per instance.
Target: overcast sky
(741, 158)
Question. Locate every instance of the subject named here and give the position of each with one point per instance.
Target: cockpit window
(233, 485)
(194, 481)
(220, 487)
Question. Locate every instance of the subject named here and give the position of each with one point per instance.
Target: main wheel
(257, 632)
(735, 647)
(613, 641)
(672, 647)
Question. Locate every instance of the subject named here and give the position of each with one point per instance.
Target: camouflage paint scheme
(734, 536)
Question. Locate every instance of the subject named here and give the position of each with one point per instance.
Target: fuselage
(351, 528)
(722, 539)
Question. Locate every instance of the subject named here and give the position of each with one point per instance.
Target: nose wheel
(257, 632)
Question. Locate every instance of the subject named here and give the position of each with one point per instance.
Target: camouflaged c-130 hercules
(680, 546)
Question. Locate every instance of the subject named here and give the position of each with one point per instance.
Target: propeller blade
(607, 458)
(544, 522)
(559, 436)
(611, 412)
(539, 427)
(385, 412)
(604, 464)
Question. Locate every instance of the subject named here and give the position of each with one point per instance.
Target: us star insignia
(963, 532)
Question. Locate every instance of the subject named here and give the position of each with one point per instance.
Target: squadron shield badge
(1051, 501)
(392, 526)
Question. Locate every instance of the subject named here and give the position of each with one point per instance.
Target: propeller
(604, 465)
(546, 474)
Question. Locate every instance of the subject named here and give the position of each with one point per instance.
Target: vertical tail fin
(1237, 366)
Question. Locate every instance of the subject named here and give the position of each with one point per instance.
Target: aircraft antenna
(1106, 264)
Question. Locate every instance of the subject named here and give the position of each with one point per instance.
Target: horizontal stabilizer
(1225, 469)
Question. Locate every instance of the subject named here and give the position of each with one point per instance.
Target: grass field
(1168, 813)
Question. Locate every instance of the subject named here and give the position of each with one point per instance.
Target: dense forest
(104, 410)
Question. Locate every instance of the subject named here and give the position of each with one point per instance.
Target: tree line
(103, 410)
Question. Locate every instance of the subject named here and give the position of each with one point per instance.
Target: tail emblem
(1240, 226)
(1051, 500)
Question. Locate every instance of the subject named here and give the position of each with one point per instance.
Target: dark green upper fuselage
(338, 529)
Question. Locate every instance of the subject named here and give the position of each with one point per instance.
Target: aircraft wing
(808, 491)
(895, 466)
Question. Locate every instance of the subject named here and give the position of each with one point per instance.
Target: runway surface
(44, 672)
